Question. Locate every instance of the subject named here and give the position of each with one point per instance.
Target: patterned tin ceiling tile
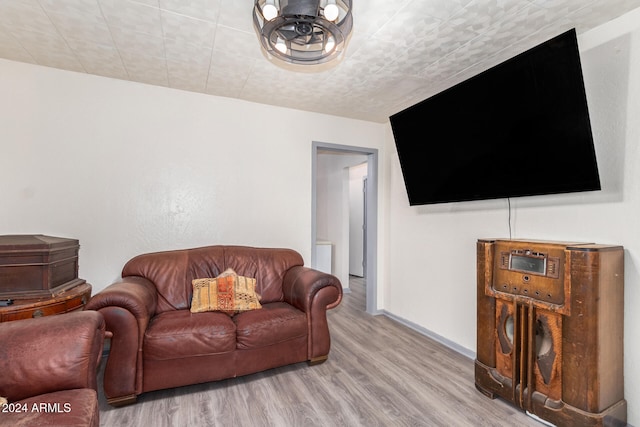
(399, 53)
(130, 18)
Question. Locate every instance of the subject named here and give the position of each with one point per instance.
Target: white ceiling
(401, 51)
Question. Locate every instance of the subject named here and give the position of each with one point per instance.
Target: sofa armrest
(313, 292)
(49, 354)
(127, 307)
(301, 287)
(135, 294)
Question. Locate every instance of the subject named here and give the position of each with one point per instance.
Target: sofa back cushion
(173, 271)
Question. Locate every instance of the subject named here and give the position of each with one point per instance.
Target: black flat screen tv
(521, 128)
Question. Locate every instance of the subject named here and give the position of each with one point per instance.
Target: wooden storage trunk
(37, 265)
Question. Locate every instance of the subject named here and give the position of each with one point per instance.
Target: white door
(357, 191)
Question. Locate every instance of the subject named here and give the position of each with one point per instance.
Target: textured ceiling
(401, 51)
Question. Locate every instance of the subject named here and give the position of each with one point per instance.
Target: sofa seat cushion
(180, 333)
(274, 323)
(70, 408)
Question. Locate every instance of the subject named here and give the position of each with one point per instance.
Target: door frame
(371, 212)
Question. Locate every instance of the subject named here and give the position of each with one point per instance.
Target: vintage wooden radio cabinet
(37, 266)
(550, 329)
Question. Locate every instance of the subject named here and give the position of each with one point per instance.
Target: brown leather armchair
(48, 369)
(159, 343)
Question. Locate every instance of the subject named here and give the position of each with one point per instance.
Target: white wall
(432, 248)
(128, 168)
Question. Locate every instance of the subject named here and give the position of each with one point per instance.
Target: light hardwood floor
(379, 373)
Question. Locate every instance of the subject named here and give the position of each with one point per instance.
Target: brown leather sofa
(158, 343)
(48, 369)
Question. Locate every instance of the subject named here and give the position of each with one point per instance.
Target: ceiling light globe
(331, 12)
(281, 46)
(269, 12)
(330, 45)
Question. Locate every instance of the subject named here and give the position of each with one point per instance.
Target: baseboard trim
(430, 334)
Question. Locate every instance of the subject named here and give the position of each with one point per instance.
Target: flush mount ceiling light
(303, 32)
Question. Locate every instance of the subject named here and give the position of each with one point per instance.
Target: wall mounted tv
(521, 128)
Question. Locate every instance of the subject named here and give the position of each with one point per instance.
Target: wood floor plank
(379, 373)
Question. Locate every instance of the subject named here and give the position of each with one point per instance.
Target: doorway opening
(334, 167)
